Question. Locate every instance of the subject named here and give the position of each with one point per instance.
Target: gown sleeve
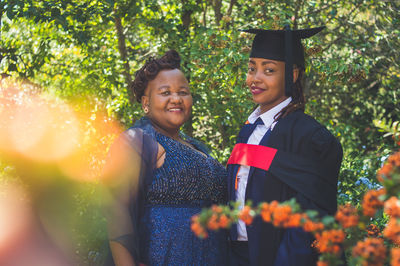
(314, 178)
(126, 174)
(314, 175)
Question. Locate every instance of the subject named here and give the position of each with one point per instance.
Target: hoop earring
(146, 109)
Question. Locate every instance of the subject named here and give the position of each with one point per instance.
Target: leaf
(312, 214)
(55, 12)
(12, 67)
(327, 220)
(10, 12)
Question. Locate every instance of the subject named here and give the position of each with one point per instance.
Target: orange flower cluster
(224, 221)
(216, 222)
(396, 138)
(212, 223)
(392, 231)
(371, 202)
(395, 261)
(310, 226)
(280, 215)
(392, 207)
(371, 250)
(322, 263)
(394, 159)
(347, 215)
(373, 230)
(217, 209)
(267, 210)
(329, 241)
(245, 215)
(197, 228)
(218, 219)
(392, 164)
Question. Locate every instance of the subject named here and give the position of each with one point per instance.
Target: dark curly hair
(148, 72)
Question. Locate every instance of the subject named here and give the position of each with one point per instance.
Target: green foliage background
(89, 50)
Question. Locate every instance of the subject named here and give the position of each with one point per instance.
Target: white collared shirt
(255, 138)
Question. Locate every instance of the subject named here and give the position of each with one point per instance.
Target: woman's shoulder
(141, 131)
(301, 119)
(303, 124)
(305, 132)
(197, 143)
(141, 139)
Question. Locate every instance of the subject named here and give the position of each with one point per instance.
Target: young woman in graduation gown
(159, 178)
(281, 153)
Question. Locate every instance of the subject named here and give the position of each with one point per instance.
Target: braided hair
(298, 100)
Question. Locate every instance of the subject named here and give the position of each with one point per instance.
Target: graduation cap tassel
(288, 61)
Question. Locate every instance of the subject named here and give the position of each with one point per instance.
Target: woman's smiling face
(168, 99)
(266, 80)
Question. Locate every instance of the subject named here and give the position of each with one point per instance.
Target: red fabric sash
(252, 155)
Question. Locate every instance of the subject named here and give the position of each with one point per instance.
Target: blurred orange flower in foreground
(224, 221)
(197, 229)
(392, 207)
(245, 215)
(392, 165)
(371, 202)
(371, 250)
(329, 241)
(395, 261)
(347, 215)
(322, 263)
(310, 226)
(392, 231)
(281, 215)
(267, 210)
(213, 223)
(373, 230)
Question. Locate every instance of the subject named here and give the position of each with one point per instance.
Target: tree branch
(337, 28)
(296, 13)
(124, 56)
(186, 21)
(217, 4)
(186, 15)
(324, 7)
(231, 4)
(205, 6)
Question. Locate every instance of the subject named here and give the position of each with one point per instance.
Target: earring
(146, 109)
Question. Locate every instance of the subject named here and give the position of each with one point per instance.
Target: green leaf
(10, 12)
(328, 220)
(12, 67)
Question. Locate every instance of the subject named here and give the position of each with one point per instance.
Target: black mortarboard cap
(282, 45)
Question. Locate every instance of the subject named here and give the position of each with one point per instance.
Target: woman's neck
(266, 107)
(172, 133)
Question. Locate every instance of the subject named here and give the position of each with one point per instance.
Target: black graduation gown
(306, 167)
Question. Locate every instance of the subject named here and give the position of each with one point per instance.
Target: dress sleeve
(123, 179)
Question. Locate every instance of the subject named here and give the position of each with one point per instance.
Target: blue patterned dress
(186, 182)
(149, 211)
